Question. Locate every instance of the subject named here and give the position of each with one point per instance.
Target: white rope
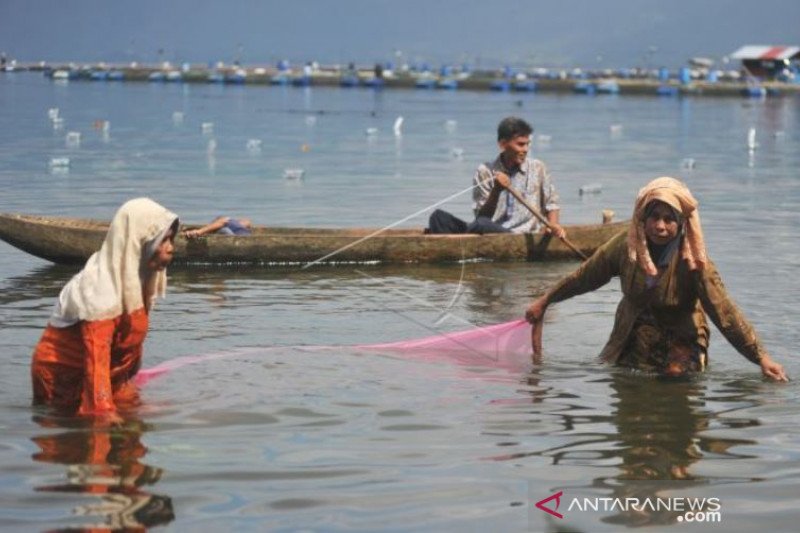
(390, 226)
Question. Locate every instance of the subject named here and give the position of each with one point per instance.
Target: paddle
(515, 193)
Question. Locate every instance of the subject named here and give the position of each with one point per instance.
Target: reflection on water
(104, 461)
(650, 433)
(659, 422)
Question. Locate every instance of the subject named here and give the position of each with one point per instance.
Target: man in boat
(496, 210)
(222, 226)
(669, 285)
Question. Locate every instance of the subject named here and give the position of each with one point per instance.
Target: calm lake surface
(277, 436)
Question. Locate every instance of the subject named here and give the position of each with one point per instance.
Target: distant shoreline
(621, 81)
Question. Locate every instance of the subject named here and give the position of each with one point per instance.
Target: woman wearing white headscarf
(92, 345)
(668, 286)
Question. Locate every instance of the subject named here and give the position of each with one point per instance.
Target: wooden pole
(516, 194)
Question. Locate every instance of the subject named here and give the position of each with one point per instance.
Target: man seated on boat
(222, 226)
(496, 210)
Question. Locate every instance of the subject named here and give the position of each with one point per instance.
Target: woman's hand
(772, 370)
(535, 315)
(535, 311)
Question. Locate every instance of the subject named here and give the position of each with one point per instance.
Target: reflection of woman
(92, 346)
(668, 286)
(658, 432)
(105, 462)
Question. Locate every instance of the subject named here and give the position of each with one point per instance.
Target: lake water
(278, 436)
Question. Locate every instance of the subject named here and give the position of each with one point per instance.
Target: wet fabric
(675, 307)
(651, 348)
(87, 367)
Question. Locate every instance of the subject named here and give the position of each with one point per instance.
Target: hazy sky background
(588, 33)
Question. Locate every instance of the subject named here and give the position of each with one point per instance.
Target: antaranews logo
(689, 509)
(557, 497)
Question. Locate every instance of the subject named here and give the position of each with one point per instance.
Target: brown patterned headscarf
(675, 194)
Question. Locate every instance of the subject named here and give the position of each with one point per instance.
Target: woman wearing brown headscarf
(669, 286)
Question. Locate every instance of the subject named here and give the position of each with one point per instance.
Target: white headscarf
(113, 280)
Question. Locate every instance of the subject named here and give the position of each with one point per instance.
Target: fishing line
(390, 226)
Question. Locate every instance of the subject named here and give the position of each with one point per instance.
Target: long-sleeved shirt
(678, 302)
(83, 366)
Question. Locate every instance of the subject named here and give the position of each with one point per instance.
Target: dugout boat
(72, 240)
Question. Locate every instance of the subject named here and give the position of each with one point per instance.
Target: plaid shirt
(531, 179)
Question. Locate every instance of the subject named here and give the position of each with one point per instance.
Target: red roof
(766, 52)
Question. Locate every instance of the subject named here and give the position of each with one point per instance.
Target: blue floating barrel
(116, 75)
(685, 75)
(156, 76)
(754, 91)
(499, 85)
(525, 86)
(667, 90)
(236, 78)
(711, 77)
(446, 70)
(425, 83)
(283, 65)
(449, 83)
(608, 87)
(584, 87)
(301, 81)
(375, 83)
(663, 74)
(349, 81)
(99, 75)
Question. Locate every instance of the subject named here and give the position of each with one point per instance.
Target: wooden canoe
(73, 240)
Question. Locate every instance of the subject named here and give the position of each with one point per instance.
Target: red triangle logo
(557, 497)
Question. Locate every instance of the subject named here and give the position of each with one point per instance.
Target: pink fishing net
(506, 345)
(501, 345)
